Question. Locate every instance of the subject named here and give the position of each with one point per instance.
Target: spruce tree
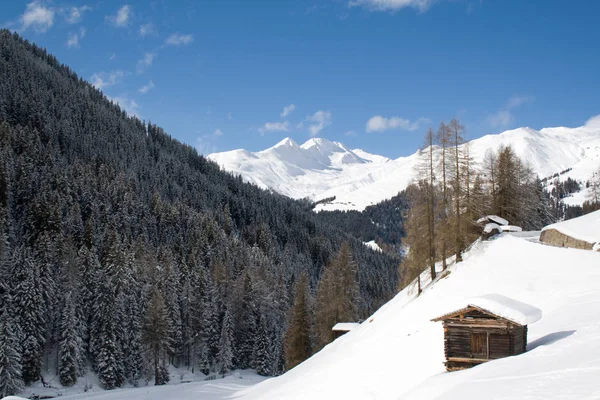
(29, 309)
(11, 381)
(69, 345)
(225, 355)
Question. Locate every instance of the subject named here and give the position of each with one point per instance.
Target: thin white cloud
(287, 110)
(205, 145)
(392, 5)
(178, 39)
(504, 116)
(75, 14)
(147, 29)
(229, 116)
(145, 62)
(37, 16)
(318, 121)
(127, 104)
(381, 124)
(217, 133)
(121, 18)
(274, 127)
(102, 80)
(112, 56)
(350, 133)
(146, 88)
(517, 100)
(73, 39)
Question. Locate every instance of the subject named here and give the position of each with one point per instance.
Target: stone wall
(556, 238)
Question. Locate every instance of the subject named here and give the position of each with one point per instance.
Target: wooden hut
(489, 327)
(342, 328)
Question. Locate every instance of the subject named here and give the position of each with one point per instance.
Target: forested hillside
(124, 251)
(381, 222)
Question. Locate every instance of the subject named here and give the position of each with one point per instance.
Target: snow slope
(321, 169)
(398, 352)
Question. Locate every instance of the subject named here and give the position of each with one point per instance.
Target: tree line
(124, 252)
(452, 192)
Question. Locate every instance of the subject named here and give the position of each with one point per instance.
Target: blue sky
(373, 74)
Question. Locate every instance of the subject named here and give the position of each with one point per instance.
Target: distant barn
(489, 327)
(342, 328)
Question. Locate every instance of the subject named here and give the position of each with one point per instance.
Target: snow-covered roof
(504, 307)
(492, 218)
(345, 326)
(586, 227)
(489, 227)
(511, 228)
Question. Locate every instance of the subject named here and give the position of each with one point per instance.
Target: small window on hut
(478, 343)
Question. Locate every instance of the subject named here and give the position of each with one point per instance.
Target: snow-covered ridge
(321, 169)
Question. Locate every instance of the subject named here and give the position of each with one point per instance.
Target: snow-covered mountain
(321, 169)
(398, 352)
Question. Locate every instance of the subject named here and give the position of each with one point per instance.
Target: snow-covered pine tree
(264, 355)
(171, 283)
(132, 343)
(246, 323)
(109, 356)
(225, 354)
(11, 380)
(69, 346)
(209, 329)
(29, 309)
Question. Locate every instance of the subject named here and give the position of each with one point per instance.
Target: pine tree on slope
(69, 345)
(225, 354)
(11, 381)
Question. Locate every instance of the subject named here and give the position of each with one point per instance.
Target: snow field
(398, 352)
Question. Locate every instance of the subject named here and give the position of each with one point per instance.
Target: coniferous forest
(124, 252)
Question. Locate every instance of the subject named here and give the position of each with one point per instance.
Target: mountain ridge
(320, 168)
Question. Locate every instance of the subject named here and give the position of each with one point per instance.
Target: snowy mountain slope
(398, 352)
(320, 169)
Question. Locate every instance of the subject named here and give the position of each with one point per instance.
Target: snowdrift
(580, 233)
(398, 352)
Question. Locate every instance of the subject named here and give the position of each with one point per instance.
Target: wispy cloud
(73, 39)
(127, 104)
(274, 127)
(178, 39)
(287, 110)
(318, 121)
(121, 18)
(145, 62)
(217, 133)
(37, 16)
(147, 29)
(147, 87)
(205, 146)
(229, 116)
(75, 14)
(102, 80)
(112, 56)
(504, 116)
(350, 133)
(381, 124)
(392, 5)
